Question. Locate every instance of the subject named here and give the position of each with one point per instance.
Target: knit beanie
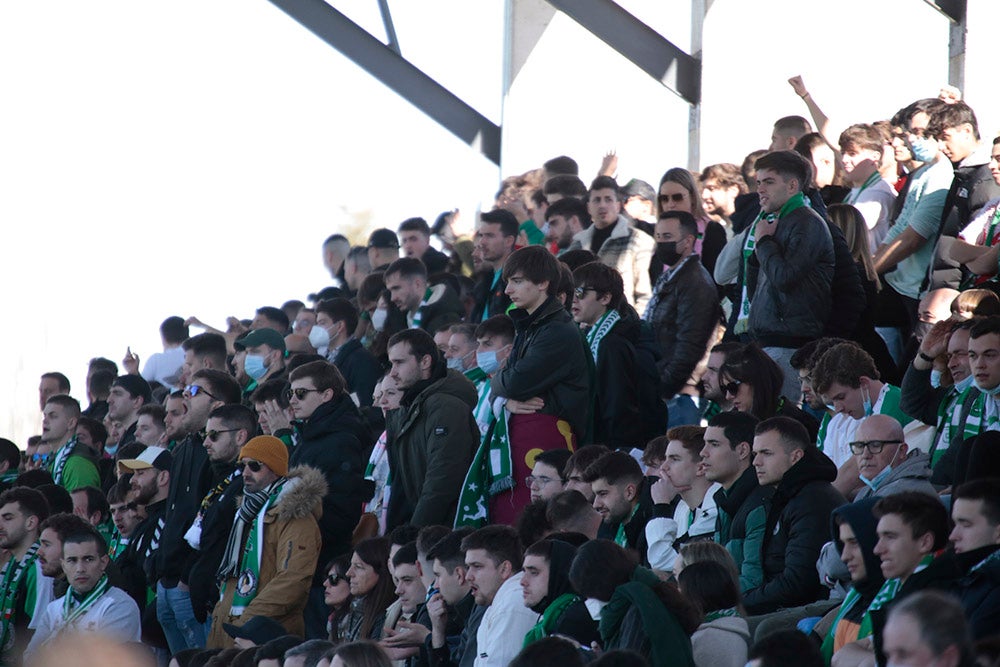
(268, 450)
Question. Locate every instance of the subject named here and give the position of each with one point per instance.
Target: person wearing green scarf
(92, 604)
(548, 592)
(634, 609)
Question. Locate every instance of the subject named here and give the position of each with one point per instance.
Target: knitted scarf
(490, 474)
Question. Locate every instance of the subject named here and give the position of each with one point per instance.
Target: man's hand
(662, 492)
(405, 635)
(438, 611)
(277, 418)
(528, 407)
(935, 342)
(798, 86)
(609, 164)
(764, 228)
(131, 362)
(193, 322)
(515, 206)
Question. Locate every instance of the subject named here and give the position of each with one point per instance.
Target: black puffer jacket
(549, 359)
(360, 368)
(685, 317)
(216, 523)
(798, 524)
(617, 415)
(334, 440)
(190, 480)
(979, 590)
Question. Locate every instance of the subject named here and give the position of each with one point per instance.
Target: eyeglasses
(531, 480)
(299, 393)
(730, 388)
(335, 579)
(214, 435)
(580, 292)
(677, 198)
(873, 446)
(193, 390)
(254, 466)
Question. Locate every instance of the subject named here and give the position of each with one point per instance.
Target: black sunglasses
(299, 393)
(193, 390)
(254, 466)
(335, 579)
(730, 387)
(677, 197)
(214, 435)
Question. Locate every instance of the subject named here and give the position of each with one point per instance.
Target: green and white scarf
(849, 601)
(248, 581)
(797, 201)
(721, 613)
(72, 609)
(490, 474)
(854, 195)
(419, 315)
(483, 414)
(59, 463)
(597, 332)
(621, 539)
(13, 578)
(886, 594)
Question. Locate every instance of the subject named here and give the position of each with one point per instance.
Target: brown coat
(291, 549)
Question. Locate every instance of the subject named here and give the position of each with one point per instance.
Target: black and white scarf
(245, 515)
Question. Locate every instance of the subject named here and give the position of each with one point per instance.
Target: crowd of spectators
(751, 414)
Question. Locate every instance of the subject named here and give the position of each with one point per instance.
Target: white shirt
(164, 367)
(663, 533)
(501, 634)
(839, 434)
(114, 615)
(875, 204)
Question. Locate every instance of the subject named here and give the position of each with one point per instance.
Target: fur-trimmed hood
(301, 495)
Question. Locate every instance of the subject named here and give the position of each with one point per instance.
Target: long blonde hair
(850, 221)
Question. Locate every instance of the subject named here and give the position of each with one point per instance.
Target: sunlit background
(189, 158)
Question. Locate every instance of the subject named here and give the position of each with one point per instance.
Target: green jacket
(740, 525)
(431, 440)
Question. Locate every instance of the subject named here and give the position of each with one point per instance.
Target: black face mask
(666, 252)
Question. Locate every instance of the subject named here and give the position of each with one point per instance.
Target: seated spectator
(357, 654)
(975, 510)
(546, 479)
(723, 637)
(741, 501)
(927, 628)
(789, 647)
(91, 604)
(695, 552)
(752, 381)
(694, 515)
(454, 615)
(797, 517)
(569, 512)
(406, 624)
(547, 592)
(577, 465)
(307, 654)
(337, 597)
(886, 465)
(549, 651)
(272, 654)
(371, 589)
(636, 610)
(620, 498)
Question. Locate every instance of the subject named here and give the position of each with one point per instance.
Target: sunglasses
(730, 388)
(214, 435)
(254, 466)
(44, 458)
(677, 198)
(335, 579)
(580, 292)
(873, 446)
(193, 390)
(299, 393)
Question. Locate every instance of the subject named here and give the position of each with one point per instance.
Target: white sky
(189, 157)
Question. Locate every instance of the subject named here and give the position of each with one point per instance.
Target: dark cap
(640, 189)
(383, 238)
(328, 293)
(259, 629)
(265, 336)
(135, 386)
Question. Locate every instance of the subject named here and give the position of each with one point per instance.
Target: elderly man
(885, 463)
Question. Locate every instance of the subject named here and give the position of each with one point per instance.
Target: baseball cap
(151, 457)
(383, 238)
(265, 336)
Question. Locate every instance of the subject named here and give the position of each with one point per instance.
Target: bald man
(885, 463)
(934, 307)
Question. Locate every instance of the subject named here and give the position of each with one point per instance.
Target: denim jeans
(176, 616)
(682, 411)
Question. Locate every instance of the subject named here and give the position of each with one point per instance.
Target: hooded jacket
(739, 525)
(190, 480)
(291, 548)
(432, 438)
(335, 441)
(911, 474)
(575, 620)
(360, 369)
(618, 418)
(548, 359)
(979, 590)
(797, 526)
(722, 642)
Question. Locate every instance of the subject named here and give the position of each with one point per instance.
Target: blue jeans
(682, 411)
(176, 616)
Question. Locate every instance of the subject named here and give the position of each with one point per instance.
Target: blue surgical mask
(989, 392)
(936, 378)
(455, 364)
(487, 361)
(254, 366)
(866, 401)
(924, 149)
(964, 384)
(879, 478)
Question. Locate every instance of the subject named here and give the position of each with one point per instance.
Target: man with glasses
(616, 242)
(684, 312)
(190, 481)
(333, 438)
(229, 427)
(886, 465)
(273, 544)
(546, 480)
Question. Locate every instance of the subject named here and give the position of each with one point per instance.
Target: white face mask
(379, 317)
(319, 337)
(594, 606)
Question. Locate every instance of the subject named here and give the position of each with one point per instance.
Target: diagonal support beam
(397, 73)
(643, 46)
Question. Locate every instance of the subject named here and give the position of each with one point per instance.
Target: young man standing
(427, 307)
(694, 516)
(798, 516)
(92, 604)
(26, 590)
(742, 511)
(495, 240)
(128, 394)
(861, 149)
(616, 242)
(542, 394)
(71, 467)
